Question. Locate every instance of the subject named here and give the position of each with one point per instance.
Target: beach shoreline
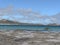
(22, 37)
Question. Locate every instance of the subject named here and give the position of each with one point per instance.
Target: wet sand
(19, 37)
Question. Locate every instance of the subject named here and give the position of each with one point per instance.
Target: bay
(29, 27)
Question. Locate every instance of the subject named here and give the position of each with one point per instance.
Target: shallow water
(29, 27)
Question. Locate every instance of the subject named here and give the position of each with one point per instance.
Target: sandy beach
(19, 37)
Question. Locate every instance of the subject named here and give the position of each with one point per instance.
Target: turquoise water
(29, 27)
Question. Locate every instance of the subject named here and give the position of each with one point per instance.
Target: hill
(8, 22)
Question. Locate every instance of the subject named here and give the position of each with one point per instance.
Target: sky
(29, 10)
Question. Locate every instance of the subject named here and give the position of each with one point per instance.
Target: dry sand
(19, 37)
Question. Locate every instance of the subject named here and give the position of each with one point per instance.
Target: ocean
(29, 27)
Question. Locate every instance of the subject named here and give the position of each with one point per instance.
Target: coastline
(22, 37)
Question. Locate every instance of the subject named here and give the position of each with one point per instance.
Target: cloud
(24, 11)
(28, 15)
(56, 18)
(28, 12)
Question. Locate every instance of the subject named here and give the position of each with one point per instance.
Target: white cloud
(28, 15)
(56, 18)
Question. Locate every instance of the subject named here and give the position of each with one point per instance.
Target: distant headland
(10, 22)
